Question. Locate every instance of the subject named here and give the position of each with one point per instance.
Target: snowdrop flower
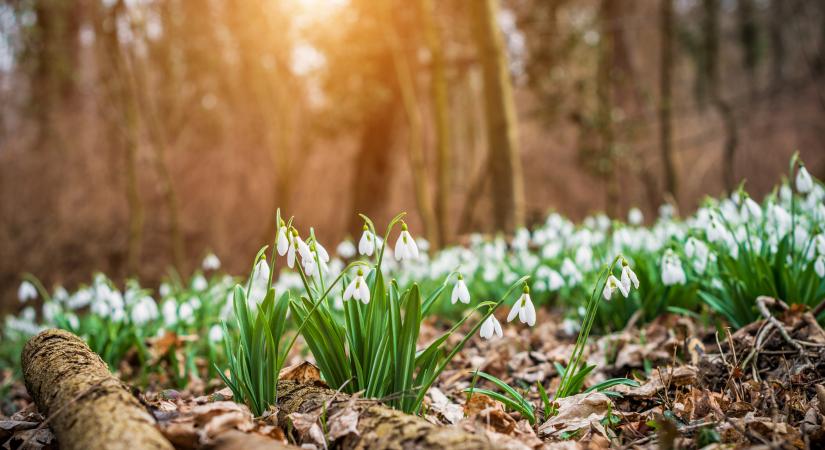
(346, 249)
(319, 250)
(50, 311)
(358, 289)
(804, 183)
(366, 246)
(819, 266)
(170, 312)
(60, 294)
(610, 287)
(405, 246)
(460, 292)
(628, 277)
(164, 290)
(715, 231)
(26, 291)
(199, 283)
(819, 242)
(751, 209)
(672, 271)
(635, 216)
(215, 333)
(282, 239)
(211, 262)
(144, 311)
(491, 327)
(186, 312)
(523, 308)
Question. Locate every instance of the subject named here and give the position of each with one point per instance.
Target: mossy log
(86, 406)
(379, 427)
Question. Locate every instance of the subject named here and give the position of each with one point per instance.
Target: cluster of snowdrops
(359, 310)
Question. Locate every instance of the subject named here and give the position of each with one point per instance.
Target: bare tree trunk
(748, 38)
(776, 24)
(723, 108)
(666, 97)
(406, 85)
(159, 135)
(438, 83)
(372, 163)
(604, 98)
(122, 95)
(500, 112)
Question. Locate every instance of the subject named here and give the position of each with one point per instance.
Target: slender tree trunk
(604, 98)
(443, 125)
(723, 108)
(125, 126)
(776, 24)
(748, 37)
(406, 85)
(666, 97)
(159, 136)
(372, 163)
(500, 112)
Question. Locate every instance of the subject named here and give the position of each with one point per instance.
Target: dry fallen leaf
(441, 405)
(576, 412)
(304, 372)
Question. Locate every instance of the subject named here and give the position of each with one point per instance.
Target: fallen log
(378, 427)
(86, 406)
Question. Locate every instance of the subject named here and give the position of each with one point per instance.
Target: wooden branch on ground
(85, 405)
(378, 427)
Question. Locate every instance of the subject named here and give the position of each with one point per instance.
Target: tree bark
(604, 104)
(723, 108)
(406, 85)
(441, 113)
(500, 113)
(86, 406)
(379, 427)
(666, 97)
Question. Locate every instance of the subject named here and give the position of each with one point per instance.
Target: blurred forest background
(136, 135)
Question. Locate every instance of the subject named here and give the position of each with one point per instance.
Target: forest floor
(761, 386)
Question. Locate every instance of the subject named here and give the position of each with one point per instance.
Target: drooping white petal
(290, 256)
(283, 241)
(514, 311)
(804, 183)
(366, 246)
(350, 290)
(819, 266)
(487, 328)
(364, 291)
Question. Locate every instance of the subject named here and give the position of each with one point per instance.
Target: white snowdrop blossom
(186, 312)
(358, 289)
(611, 285)
(523, 308)
(460, 292)
(169, 309)
(199, 283)
(26, 291)
(346, 249)
(164, 290)
(282, 239)
(211, 262)
(405, 246)
(804, 182)
(628, 277)
(672, 271)
(819, 266)
(144, 311)
(366, 246)
(491, 327)
(635, 216)
(215, 333)
(751, 209)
